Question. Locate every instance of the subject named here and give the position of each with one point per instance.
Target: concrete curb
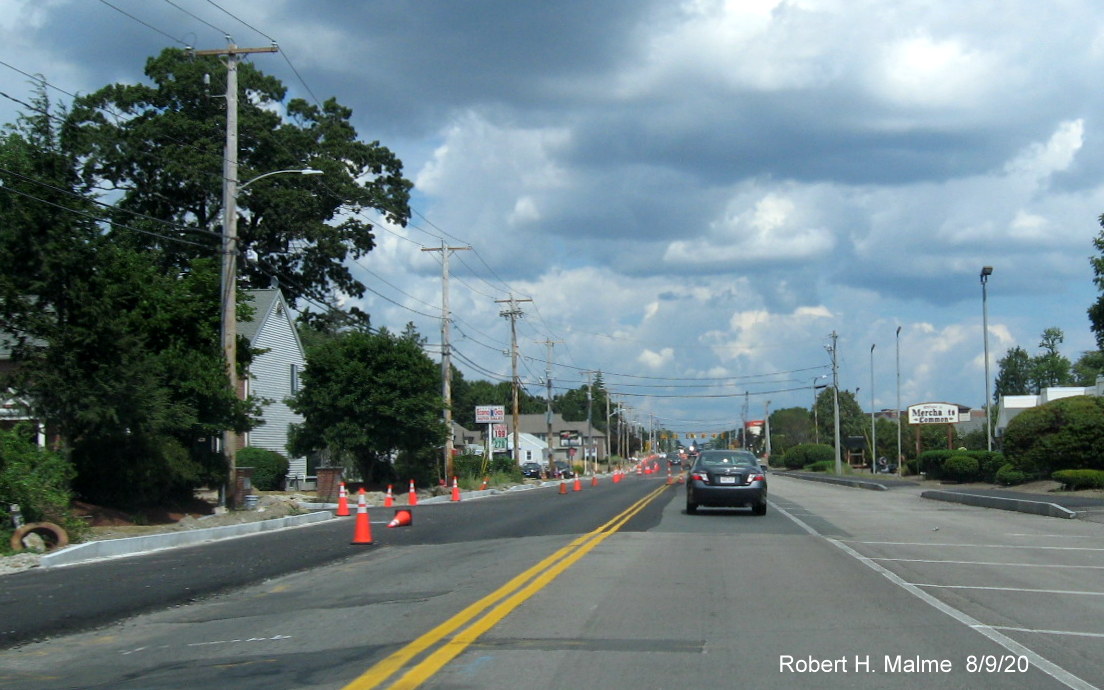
(855, 483)
(113, 548)
(1000, 503)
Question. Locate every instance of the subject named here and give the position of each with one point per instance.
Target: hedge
(269, 467)
(805, 454)
(1072, 480)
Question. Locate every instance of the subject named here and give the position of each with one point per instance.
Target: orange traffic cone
(413, 499)
(594, 480)
(578, 485)
(563, 487)
(402, 518)
(455, 490)
(669, 479)
(362, 534)
(485, 479)
(342, 501)
(388, 500)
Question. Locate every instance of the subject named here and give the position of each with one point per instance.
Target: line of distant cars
(560, 470)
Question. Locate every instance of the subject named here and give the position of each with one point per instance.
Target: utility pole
(549, 343)
(835, 402)
(873, 427)
(514, 313)
(590, 432)
(446, 353)
(229, 273)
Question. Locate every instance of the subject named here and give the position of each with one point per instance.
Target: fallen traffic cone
(563, 487)
(402, 518)
(455, 490)
(342, 501)
(362, 534)
(388, 500)
(413, 497)
(578, 485)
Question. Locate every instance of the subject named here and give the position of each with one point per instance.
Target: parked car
(562, 470)
(531, 470)
(726, 478)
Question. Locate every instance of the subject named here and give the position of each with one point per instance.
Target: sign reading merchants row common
(933, 413)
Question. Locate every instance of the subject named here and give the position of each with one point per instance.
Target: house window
(528, 455)
(294, 378)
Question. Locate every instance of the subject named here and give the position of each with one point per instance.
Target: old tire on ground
(54, 536)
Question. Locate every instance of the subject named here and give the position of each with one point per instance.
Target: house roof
(261, 301)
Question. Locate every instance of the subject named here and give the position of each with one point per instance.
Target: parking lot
(1035, 584)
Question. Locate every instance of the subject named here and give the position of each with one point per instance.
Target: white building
(1012, 405)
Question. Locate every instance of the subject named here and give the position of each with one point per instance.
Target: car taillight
(755, 478)
(700, 476)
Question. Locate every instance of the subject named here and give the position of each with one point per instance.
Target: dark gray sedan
(726, 479)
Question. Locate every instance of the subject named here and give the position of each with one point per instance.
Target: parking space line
(1018, 565)
(1070, 633)
(1012, 589)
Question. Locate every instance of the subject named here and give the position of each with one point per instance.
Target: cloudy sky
(696, 194)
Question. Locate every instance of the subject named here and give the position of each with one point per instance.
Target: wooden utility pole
(446, 354)
(514, 313)
(229, 274)
(549, 343)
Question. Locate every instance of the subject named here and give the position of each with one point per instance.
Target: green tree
(789, 427)
(366, 397)
(119, 355)
(1096, 310)
(852, 420)
(1088, 368)
(1014, 374)
(161, 146)
(1049, 367)
(1063, 434)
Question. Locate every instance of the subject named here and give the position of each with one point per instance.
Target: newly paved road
(882, 589)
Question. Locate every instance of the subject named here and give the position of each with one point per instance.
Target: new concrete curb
(999, 503)
(112, 548)
(855, 483)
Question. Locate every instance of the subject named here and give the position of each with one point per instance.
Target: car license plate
(726, 480)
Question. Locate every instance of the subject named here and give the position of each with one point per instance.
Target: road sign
(933, 413)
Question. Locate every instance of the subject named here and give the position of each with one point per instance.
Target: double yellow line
(507, 597)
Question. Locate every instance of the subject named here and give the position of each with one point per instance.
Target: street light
(986, 271)
(229, 288)
(873, 428)
(898, 415)
(816, 424)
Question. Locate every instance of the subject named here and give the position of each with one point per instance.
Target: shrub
(1009, 475)
(961, 467)
(806, 454)
(988, 464)
(931, 462)
(1072, 480)
(1065, 434)
(269, 467)
(822, 466)
(37, 480)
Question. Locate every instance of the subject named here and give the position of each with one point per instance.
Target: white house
(274, 374)
(532, 448)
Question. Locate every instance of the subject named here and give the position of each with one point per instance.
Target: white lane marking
(1054, 536)
(1072, 633)
(1042, 663)
(1018, 565)
(1012, 589)
(975, 546)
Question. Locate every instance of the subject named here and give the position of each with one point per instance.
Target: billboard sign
(933, 413)
(490, 414)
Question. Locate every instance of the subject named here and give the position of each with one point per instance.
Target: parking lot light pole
(986, 271)
(898, 415)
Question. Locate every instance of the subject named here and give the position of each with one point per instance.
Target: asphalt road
(613, 587)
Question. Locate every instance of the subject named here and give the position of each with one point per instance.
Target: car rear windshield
(734, 459)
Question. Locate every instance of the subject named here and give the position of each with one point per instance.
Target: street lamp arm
(300, 171)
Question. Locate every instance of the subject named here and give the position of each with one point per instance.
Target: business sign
(754, 427)
(570, 438)
(933, 413)
(490, 414)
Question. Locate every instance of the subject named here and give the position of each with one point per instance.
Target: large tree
(161, 146)
(118, 355)
(1096, 311)
(366, 397)
(1014, 374)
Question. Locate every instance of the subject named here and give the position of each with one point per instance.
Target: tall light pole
(766, 427)
(986, 271)
(229, 288)
(873, 427)
(816, 422)
(898, 415)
